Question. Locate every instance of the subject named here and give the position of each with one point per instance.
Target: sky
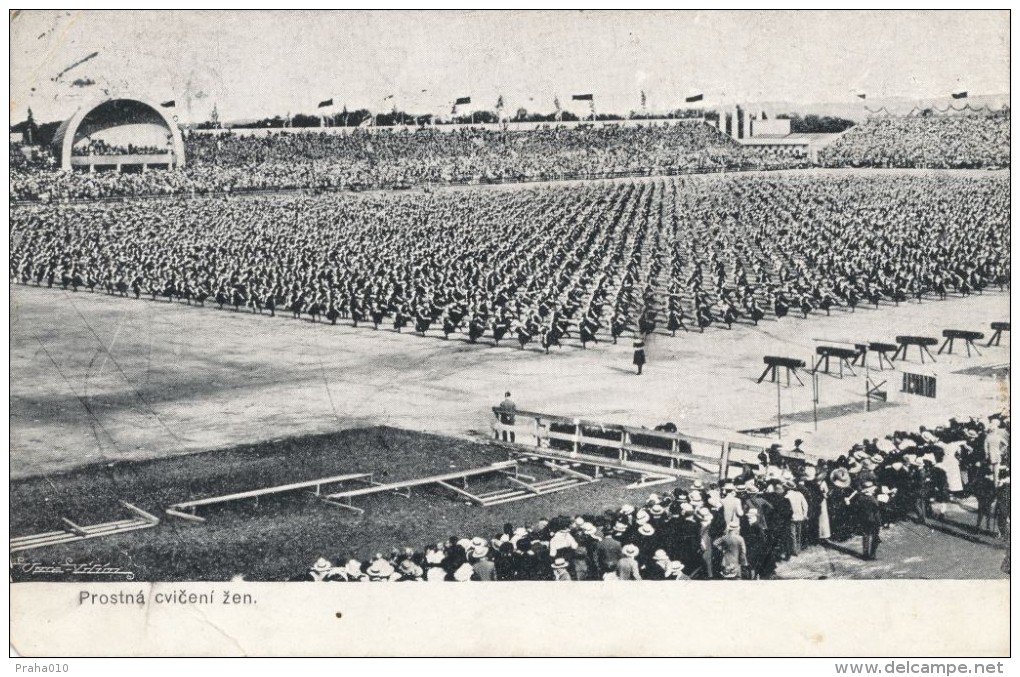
(255, 64)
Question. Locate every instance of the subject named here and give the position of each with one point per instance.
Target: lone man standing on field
(506, 416)
(639, 355)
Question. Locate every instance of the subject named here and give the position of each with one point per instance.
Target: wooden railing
(682, 453)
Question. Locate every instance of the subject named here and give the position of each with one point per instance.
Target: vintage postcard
(595, 331)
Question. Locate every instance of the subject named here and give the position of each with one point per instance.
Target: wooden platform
(459, 483)
(73, 532)
(568, 479)
(187, 509)
(647, 474)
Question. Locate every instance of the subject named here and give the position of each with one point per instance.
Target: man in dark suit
(869, 517)
(608, 553)
(507, 417)
(780, 518)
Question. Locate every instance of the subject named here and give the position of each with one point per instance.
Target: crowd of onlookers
(427, 155)
(942, 142)
(542, 266)
(52, 185)
(227, 162)
(24, 158)
(287, 159)
(100, 147)
(16, 158)
(741, 528)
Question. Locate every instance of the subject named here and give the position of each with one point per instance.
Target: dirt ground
(943, 549)
(100, 378)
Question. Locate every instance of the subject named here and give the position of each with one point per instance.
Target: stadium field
(111, 396)
(161, 379)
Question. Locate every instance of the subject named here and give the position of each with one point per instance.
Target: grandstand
(354, 158)
(404, 157)
(934, 142)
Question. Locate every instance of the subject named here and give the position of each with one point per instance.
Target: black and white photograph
(678, 304)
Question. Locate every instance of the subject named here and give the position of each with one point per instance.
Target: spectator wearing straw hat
(482, 564)
(381, 571)
(353, 571)
(464, 573)
(754, 499)
(705, 520)
(732, 507)
(588, 540)
(319, 571)
(841, 516)
(688, 529)
(659, 567)
(627, 568)
(561, 569)
(733, 552)
(869, 519)
(798, 516)
(919, 485)
(647, 540)
(780, 519)
(409, 571)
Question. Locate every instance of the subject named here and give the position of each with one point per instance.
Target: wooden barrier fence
(680, 453)
(677, 453)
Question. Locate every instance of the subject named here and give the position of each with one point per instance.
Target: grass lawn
(277, 537)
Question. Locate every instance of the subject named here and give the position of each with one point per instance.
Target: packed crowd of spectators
(226, 162)
(284, 160)
(617, 259)
(17, 159)
(100, 147)
(739, 529)
(926, 142)
(25, 158)
(431, 156)
(55, 186)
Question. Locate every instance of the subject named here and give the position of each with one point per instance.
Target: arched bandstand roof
(114, 112)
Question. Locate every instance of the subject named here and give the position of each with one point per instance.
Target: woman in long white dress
(950, 463)
(824, 532)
